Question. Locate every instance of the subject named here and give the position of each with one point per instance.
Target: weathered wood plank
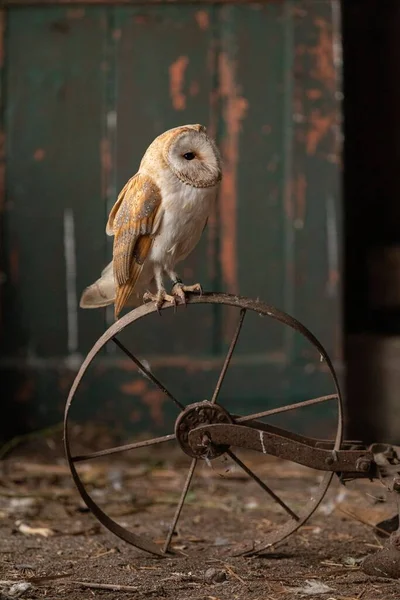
(55, 217)
(128, 402)
(313, 202)
(252, 91)
(79, 118)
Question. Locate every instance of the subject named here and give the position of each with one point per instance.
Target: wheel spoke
(116, 449)
(228, 356)
(180, 505)
(147, 373)
(282, 409)
(262, 485)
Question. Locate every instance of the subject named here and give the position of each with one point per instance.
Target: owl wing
(133, 220)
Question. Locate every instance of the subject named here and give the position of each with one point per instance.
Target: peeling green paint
(85, 91)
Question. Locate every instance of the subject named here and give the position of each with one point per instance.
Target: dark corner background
(371, 47)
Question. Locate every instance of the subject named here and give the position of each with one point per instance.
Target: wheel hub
(200, 413)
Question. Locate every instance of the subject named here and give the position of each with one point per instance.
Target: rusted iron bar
(283, 446)
(148, 373)
(181, 503)
(263, 485)
(288, 407)
(229, 356)
(124, 448)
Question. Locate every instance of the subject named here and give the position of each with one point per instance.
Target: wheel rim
(244, 304)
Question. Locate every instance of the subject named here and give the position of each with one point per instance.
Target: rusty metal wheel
(206, 412)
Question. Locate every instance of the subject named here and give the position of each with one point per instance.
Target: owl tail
(124, 293)
(128, 293)
(101, 292)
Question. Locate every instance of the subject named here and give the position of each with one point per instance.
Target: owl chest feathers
(185, 210)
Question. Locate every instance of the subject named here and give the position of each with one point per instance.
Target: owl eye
(189, 155)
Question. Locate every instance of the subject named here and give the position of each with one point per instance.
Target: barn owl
(158, 219)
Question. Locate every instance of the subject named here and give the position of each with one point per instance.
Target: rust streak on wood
(203, 19)
(134, 388)
(324, 75)
(324, 68)
(234, 110)
(39, 154)
(155, 401)
(319, 126)
(212, 226)
(176, 82)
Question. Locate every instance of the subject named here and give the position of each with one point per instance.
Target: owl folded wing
(133, 220)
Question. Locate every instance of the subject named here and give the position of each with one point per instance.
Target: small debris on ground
(51, 546)
(214, 575)
(312, 588)
(28, 530)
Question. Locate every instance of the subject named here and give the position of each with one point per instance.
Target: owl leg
(179, 289)
(161, 296)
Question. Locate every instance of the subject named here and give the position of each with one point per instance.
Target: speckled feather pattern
(159, 215)
(135, 218)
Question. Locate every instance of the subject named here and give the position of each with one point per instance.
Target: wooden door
(84, 91)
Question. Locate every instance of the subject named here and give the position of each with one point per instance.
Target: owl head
(191, 155)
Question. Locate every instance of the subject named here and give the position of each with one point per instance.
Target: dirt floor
(51, 545)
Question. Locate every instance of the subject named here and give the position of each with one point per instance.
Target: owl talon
(179, 290)
(159, 299)
(179, 293)
(195, 288)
